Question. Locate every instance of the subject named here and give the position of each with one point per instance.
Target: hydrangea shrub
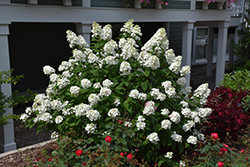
(134, 94)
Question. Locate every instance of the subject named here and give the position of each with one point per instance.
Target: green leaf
(145, 142)
(147, 73)
(181, 148)
(161, 162)
(144, 85)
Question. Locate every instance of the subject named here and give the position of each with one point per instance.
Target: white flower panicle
(185, 70)
(169, 155)
(202, 91)
(176, 137)
(54, 135)
(127, 124)
(175, 67)
(111, 60)
(62, 82)
(105, 92)
(114, 112)
(175, 117)
(192, 140)
(96, 29)
(184, 104)
(165, 111)
(47, 70)
(149, 108)
(186, 112)
(106, 33)
(74, 90)
(93, 115)
(153, 62)
(134, 94)
(117, 102)
(86, 83)
(110, 47)
(28, 110)
(153, 138)
(142, 96)
(90, 128)
(170, 56)
(75, 40)
(81, 109)
(79, 55)
(53, 77)
(125, 68)
(107, 83)
(182, 163)
(157, 94)
(182, 81)
(167, 85)
(97, 85)
(56, 105)
(186, 127)
(65, 65)
(140, 123)
(204, 112)
(166, 124)
(23, 117)
(93, 99)
(92, 58)
(58, 119)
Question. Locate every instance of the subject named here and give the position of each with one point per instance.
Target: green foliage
(15, 99)
(237, 80)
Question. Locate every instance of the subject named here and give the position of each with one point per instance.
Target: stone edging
(26, 148)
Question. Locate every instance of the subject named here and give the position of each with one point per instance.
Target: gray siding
(111, 3)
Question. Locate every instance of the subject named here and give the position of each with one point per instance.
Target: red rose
(108, 139)
(122, 154)
(220, 164)
(242, 150)
(84, 163)
(246, 158)
(225, 145)
(130, 156)
(214, 135)
(79, 152)
(50, 160)
(223, 149)
(120, 121)
(37, 159)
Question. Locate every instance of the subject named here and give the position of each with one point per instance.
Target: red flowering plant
(228, 115)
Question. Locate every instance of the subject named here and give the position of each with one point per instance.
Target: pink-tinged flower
(50, 160)
(122, 154)
(166, 3)
(214, 135)
(225, 145)
(108, 139)
(242, 150)
(79, 152)
(130, 156)
(136, 149)
(220, 164)
(84, 163)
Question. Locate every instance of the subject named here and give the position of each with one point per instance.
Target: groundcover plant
(132, 97)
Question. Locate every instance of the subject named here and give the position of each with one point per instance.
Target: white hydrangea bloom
(182, 81)
(186, 112)
(23, 117)
(140, 125)
(107, 83)
(110, 47)
(97, 85)
(111, 60)
(53, 77)
(142, 96)
(64, 66)
(56, 105)
(153, 138)
(93, 115)
(157, 94)
(127, 124)
(175, 67)
(129, 51)
(175, 117)
(96, 29)
(114, 112)
(81, 109)
(134, 94)
(66, 111)
(54, 135)
(92, 58)
(170, 56)
(50, 89)
(204, 112)
(90, 128)
(46, 117)
(186, 127)
(149, 108)
(117, 102)
(78, 55)
(58, 119)
(192, 140)
(141, 118)
(86, 83)
(105, 92)
(166, 85)
(62, 82)
(153, 62)
(182, 163)
(185, 70)
(202, 91)
(176, 137)
(169, 155)
(165, 111)
(166, 124)
(75, 40)
(128, 26)
(125, 68)
(183, 103)
(47, 70)
(106, 33)
(28, 110)
(74, 90)
(170, 92)
(136, 32)
(67, 74)
(93, 99)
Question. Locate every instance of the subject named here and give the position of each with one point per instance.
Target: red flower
(214, 135)
(246, 158)
(79, 152)
(220, 164)
(50, 160)
(84, 163)
(37, 159)
(130, 156)
(108, 139)
(122, 154)
(120, 121)
(223, 149)
(225, 145)
(242, 150)
(99, 149)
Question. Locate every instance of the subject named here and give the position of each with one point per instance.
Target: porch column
(221, 51)
(7, 142)
(86, 3)
(84, 29)
(187, 34)
(210, 51)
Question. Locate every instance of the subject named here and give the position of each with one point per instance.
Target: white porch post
(210, 51)
(84, 29)
(7, 141)
(86, 3)
(221, 52)
(187, 34)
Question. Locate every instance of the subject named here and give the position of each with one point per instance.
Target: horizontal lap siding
(110, 3)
